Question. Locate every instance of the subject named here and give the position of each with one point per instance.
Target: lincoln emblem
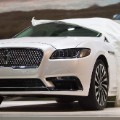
(6, 57)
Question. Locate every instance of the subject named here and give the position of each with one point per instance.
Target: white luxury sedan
(70, 59)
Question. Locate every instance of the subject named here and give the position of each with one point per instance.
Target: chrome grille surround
(20, 57)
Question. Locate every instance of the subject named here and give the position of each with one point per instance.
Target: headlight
(70, 53)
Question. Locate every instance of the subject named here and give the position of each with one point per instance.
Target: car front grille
(20, 57)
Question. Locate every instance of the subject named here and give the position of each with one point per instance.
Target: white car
(68, 59)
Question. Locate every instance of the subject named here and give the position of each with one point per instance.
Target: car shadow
(49, 107)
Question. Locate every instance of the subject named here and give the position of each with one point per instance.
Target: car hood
(56, 42)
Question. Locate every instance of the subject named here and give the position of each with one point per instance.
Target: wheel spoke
(104, 95)
(100, 71)
(104, 90)
(97, 93)
(104, 86)
(100, 98)
(104, 80)
(104, 75)
(97, 74)
(103, 71)
(96, 82)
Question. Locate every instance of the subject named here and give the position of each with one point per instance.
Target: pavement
(50, 109)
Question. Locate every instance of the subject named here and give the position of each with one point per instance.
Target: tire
(98, 93)
(1, 99)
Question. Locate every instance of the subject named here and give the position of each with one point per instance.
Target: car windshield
(57, 29)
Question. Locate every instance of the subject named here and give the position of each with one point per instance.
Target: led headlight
(70, 53)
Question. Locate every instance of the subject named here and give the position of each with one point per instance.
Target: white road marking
(22, 103)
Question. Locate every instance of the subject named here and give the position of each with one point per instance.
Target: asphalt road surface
(51, 108)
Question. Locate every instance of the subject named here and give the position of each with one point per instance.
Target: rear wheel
(98, 93)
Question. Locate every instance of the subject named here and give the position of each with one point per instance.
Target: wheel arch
(103, 58)
(86, 102)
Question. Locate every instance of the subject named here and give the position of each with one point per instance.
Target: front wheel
(98, 92)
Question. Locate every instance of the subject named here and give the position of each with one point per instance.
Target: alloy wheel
(101, 84)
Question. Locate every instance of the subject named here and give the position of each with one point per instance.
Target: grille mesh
(17, 57)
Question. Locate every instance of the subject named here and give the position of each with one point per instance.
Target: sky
(28, 5)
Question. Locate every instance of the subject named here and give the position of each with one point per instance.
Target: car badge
(6, 57)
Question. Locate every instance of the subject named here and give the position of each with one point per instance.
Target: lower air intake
(22, 85)
(69, 83)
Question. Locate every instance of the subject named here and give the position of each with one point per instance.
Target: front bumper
(80, 68)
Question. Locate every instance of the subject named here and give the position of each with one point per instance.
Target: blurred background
(15, 15)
